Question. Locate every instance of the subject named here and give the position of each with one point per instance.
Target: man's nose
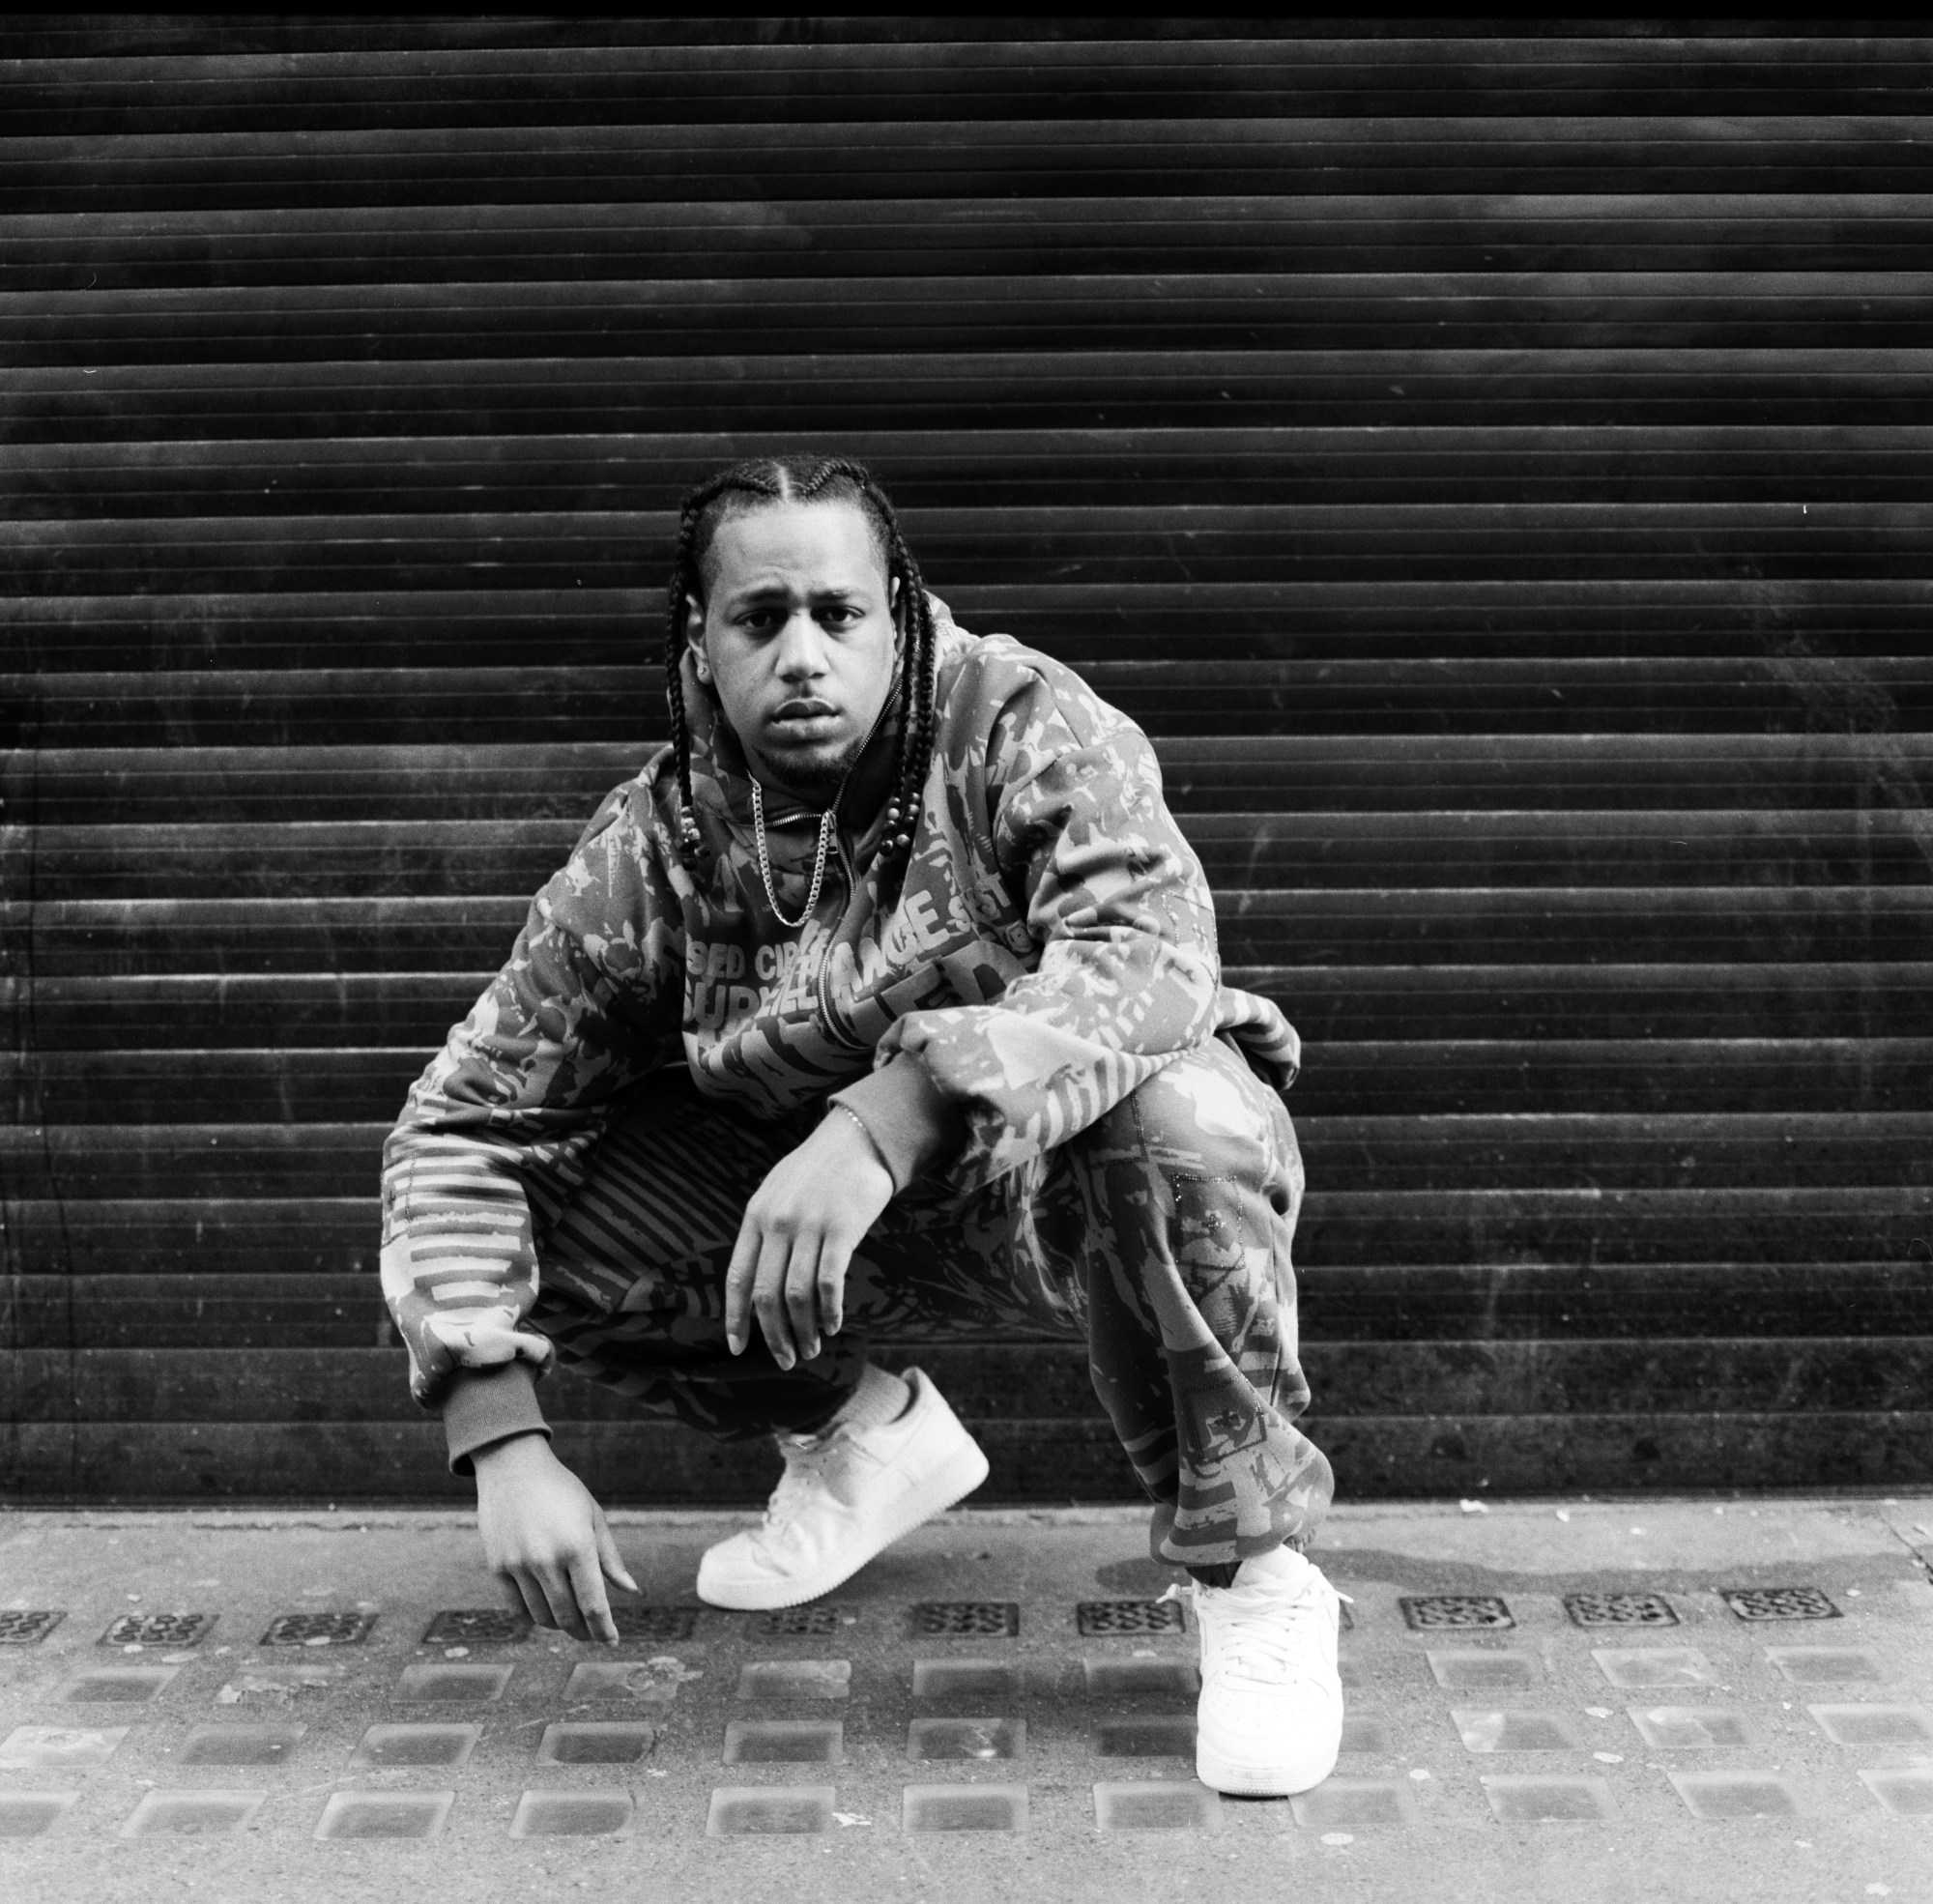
(801, 648)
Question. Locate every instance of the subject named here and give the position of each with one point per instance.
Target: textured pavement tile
(758, 1810)
(572, 1815)
(1756, 1603)
(461, 1686)
(1620, 1610)
(966, 1739)
(1490, 1731)
(1827, 1665)
(1532, 1799)
(1151, 1805)
(117, 1686)
(319, 1629)
(1721, 1795)
(1438, 1612)
(135, 1629)
(818, 1620)
(1101, 1618)
(784, 1741)
(477, 1625)
(627, 1680)
(418, 1745)
(1874, 1725)
(384, 1814)
(665, 1625)
(595, 1741)
(963, 1808)
(1633, 1667)
(1351, 1804)
(50, 1747)
(1145, 1736)
(1471, 1670)
(984, 1681)
(282, 1685)
(201, 1814)
(240, 1744)
(1690, 1728)
(1907, 1792)
(1163, 1681)
(33, 1814)
(965, 1618)
(795, 1679)
(1366, 1733)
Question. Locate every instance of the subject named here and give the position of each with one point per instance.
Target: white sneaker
(845, 1496)
(1270, 1719)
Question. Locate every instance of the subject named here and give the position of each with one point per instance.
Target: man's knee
(1199, 1186)
(1207, 1116)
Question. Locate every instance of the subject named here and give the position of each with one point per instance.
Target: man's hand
(801, 1230)
(546, 1539)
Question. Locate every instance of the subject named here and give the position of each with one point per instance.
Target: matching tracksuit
(1083, 1125)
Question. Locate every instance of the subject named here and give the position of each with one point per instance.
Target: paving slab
(1565, 1700)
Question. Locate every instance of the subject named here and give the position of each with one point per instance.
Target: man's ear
(694, 635)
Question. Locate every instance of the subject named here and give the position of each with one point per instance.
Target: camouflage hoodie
(1050, 948)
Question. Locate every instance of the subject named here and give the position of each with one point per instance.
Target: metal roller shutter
(1495, 469)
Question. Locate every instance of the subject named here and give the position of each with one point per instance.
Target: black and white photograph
(954, 958)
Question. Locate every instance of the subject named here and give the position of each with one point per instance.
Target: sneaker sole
(949, 1484)
(1255, 1781)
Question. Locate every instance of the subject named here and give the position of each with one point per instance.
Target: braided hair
(748, 486)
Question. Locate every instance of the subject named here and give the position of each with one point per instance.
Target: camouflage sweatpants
(1161, 1233)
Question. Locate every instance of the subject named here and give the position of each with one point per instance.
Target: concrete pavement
(1576, 1701)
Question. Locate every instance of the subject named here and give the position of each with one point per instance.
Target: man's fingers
(536, 1603)
(586, 1584)
(531, 1581)
(608, 1557)
(559, 1591)
(802, 1297)
(739, 1279)
(769, 1299)
(519, 1602)
(833, 1260)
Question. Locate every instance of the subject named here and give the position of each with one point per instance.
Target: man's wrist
(484, 1406)
(842, 1115)
(523, 1445)
(911, 1125)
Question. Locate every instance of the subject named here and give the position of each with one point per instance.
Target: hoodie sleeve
(1118, 909)
(500, 1124)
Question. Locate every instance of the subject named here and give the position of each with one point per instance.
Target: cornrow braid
(803, 480)
(694, 534)
(681, 731)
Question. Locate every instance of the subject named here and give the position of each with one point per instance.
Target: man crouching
(885, 998)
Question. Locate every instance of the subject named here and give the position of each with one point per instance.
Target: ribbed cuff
(911, 1124)
(490, 1404)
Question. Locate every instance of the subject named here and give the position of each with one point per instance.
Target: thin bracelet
(867, 1129)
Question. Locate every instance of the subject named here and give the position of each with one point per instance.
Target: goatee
(818, 784)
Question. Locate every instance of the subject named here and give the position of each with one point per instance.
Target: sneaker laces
(801, 1483)
(1266, 1634)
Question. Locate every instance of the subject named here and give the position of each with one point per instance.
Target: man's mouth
(804, 713)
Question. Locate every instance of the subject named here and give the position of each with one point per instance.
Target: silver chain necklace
(826, 821)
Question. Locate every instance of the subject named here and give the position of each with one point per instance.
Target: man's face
(798, 640)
